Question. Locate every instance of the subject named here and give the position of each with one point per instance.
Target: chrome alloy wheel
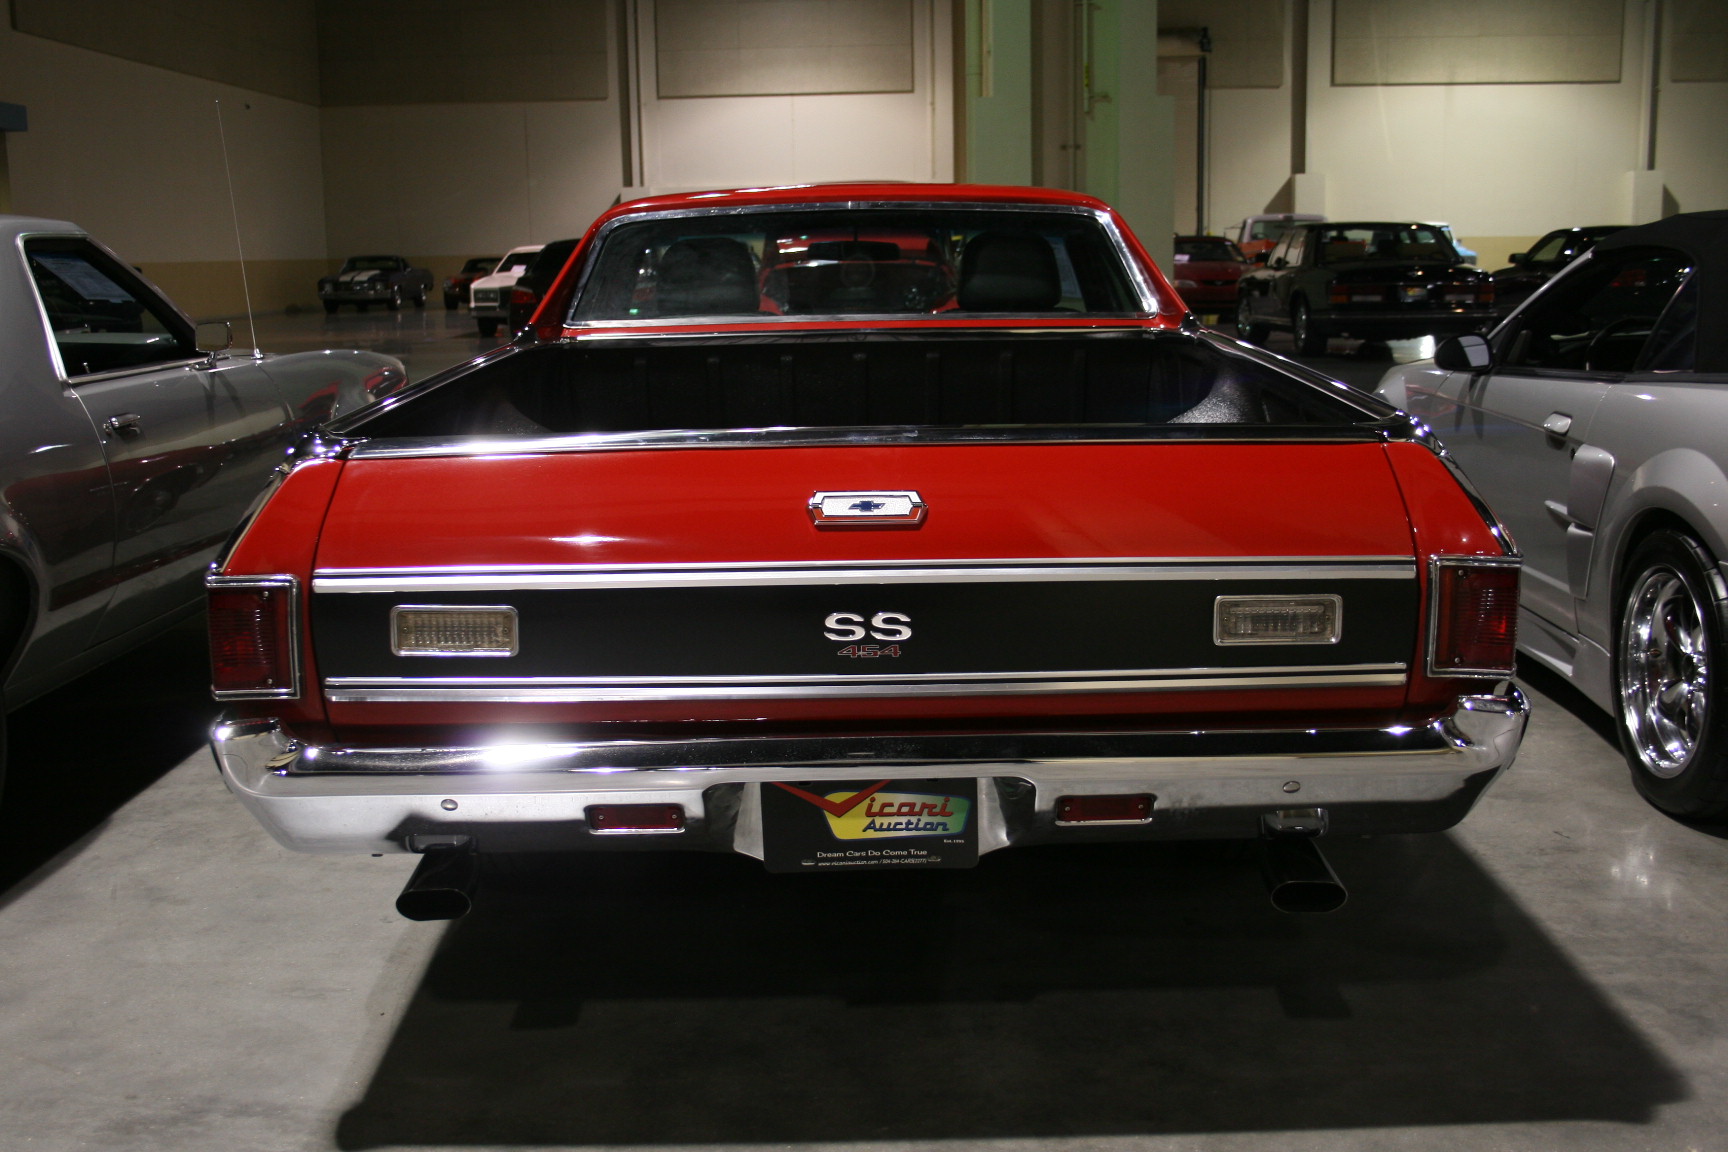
(1664, 672)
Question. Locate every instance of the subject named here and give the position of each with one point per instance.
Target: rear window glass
(873, 262)
(1385, 242)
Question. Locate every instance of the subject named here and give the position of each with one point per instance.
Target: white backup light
(1278, 619)
(456, 630)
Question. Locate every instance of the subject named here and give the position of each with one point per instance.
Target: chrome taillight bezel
(291, 641)
(1435, 566)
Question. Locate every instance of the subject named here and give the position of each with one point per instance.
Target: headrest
(706, 276)
(1003, 272)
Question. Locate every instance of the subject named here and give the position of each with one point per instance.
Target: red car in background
(1208, 273)
(456, 287)
(873, 526)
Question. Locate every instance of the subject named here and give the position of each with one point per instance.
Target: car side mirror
(1467, 353)
(1280, 263)
(213, 336)
(1518, 258)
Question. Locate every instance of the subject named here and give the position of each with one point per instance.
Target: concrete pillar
(1130, 129)
(997, 134)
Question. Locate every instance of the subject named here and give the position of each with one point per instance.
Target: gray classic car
(1595, 420)
(131, 446)
(387, 280)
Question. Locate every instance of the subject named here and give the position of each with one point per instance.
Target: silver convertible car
(132, 444)
(1594, 420)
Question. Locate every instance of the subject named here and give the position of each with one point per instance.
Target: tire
(1310, 338)
(420, 298)
(1671, 704)
(452, 302)
(330, 307)
(395, 301)
(488, 328)
(1246, 329)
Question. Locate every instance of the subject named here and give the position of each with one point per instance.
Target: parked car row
(1370, 280)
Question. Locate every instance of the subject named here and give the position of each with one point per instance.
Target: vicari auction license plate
(848, 825)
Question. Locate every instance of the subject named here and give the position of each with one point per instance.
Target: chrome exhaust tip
(1298, 878)
(442, 887)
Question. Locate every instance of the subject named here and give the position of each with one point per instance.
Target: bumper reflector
(1104, 809)
(1278, 619)
(635, 819)
(454, 630)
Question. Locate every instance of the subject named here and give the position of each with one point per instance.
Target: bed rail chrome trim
(519, 578)
(414, 447)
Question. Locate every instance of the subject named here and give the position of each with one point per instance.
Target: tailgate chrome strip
(554, 690)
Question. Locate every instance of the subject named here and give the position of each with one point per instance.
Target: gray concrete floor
(1550, 975)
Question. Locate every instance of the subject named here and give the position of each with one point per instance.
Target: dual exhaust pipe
(1298, 878)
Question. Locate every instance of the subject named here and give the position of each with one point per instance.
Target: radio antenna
(234, 211)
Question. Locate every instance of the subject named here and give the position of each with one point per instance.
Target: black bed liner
(949, 380)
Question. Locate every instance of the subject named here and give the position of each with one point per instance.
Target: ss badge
(849, 626)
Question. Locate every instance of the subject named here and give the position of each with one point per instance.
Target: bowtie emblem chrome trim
(866, 509)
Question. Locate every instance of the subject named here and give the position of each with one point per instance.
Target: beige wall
(133, 153)
(727, 141)
(459, 180)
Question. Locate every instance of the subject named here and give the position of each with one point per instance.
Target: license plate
(869, 825)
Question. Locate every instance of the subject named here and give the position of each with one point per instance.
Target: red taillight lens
(522, 297)
(1484, 293)
(252, 642)
(1475, 627)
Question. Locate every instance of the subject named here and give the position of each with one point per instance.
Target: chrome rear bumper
(533, 797)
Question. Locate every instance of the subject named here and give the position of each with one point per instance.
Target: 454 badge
(847, 825)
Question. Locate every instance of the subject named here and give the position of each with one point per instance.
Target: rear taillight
(522, 297)
(1484, 293)
(253, 631)
(1473, 629)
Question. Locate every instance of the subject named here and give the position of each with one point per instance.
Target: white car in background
(489, 298)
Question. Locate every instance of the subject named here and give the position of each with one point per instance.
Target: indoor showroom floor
(1552, 974)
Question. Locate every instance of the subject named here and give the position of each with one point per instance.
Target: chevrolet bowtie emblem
(866, 509)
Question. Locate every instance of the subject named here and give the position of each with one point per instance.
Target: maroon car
(1208, 272)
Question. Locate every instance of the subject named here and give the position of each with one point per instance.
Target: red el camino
(864, 526)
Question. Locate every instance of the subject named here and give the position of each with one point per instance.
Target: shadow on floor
(1051, 992)
(77, 754)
